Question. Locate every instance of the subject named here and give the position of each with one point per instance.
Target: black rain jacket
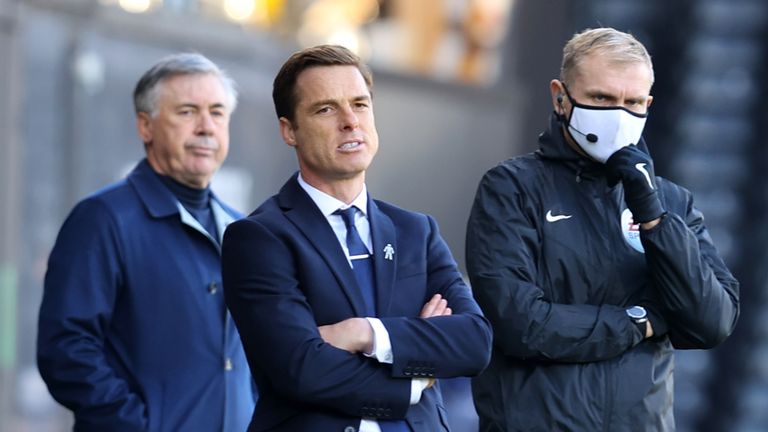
(554, 261)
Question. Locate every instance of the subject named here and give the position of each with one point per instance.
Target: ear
(287, 132)
(144, 126)
(557, 90)
(648, 102)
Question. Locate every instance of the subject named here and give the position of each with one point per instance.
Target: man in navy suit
(349, 308)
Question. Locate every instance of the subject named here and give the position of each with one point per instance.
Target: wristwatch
(639, 316)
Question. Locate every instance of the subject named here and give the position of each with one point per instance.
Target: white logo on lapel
(389, 252)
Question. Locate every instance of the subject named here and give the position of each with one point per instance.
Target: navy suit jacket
(285, 274)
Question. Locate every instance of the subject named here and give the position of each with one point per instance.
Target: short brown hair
(618, 46)
(284, 86)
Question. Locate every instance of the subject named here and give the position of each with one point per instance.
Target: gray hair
(617, 46)
(146, 92)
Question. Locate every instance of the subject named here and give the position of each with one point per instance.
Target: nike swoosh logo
(641, 167)
(554, 218)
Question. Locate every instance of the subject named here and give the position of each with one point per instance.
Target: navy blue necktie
(362, 262)
(362, 265)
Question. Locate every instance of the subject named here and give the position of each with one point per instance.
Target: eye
(323, 110)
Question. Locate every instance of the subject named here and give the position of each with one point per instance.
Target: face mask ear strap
(568, 94)
(561, 115)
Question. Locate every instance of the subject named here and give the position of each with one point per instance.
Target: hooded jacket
(554, 261)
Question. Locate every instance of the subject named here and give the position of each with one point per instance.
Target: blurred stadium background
(460, 85)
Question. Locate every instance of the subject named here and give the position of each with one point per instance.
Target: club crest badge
(631, 231)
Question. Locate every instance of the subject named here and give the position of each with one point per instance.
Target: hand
(353, 334)
(634, 168)
(648, 329)
(657, 324)
(436, 306)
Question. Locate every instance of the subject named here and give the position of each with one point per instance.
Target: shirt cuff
(417, 387)
(369, 426)
(382, 346)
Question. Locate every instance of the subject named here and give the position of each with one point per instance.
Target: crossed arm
(356, 335)
(322, 365)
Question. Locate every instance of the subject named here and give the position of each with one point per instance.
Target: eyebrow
(196, 106)
(335, 102)
(595, 93)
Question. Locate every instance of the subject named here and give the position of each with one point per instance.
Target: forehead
(598, 72)
(193, 87)
(330, 82)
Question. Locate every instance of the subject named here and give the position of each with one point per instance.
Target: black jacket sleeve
(699, 294)
(503, 248)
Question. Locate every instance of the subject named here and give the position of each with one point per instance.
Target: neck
(191, 181)
(345, 190)
(190, 197)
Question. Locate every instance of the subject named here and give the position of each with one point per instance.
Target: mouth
(201, 150)
(351, 145)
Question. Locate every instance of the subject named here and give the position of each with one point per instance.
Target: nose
(349, 120)
(205, 124)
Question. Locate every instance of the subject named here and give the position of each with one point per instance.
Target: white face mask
(600, 131)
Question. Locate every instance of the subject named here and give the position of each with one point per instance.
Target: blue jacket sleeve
(442, 347)
(280, 335)
(81, 286)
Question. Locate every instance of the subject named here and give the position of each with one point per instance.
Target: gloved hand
(634, 168)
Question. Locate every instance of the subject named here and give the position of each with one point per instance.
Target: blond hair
(617, 46)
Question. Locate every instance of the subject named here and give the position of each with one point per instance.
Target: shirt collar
(328, 204)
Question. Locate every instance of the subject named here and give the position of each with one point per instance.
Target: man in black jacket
(590, 268)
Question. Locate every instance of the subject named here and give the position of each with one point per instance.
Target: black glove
(634, 168)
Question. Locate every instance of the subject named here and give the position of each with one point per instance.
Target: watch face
(636, 312)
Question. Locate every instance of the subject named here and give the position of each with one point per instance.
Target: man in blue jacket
(349, 307)
(133, 332)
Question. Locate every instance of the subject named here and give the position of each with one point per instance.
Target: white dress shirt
(382, 346)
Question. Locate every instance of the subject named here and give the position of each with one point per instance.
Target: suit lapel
(304, 214)
(383, 235)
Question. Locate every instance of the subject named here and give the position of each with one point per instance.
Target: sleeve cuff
(382, 346)
(417, 388)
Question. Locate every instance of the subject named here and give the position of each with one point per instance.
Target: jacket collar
(157, 198)
(160, 201)
(299, 208)
(383, 236)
